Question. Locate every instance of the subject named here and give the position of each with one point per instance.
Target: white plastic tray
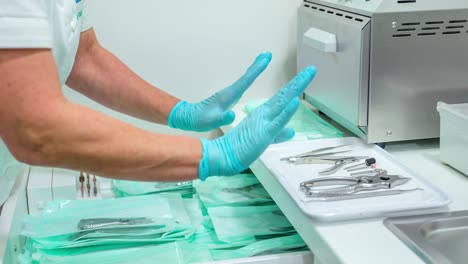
(290, 176)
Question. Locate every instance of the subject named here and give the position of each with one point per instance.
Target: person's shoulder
(25, 24)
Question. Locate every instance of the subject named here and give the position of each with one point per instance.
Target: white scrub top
(54, 24)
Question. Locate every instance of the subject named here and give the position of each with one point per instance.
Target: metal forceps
(315, 153)
(342, 186)
(324, 156)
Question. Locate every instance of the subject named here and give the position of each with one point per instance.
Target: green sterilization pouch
(238, 190)
(175, 252)
(229, 217)
(306, 123)
(267, 246)
(132, 220)
(131, 188)
(232, 223)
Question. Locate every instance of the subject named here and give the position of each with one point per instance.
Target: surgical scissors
(350, 185)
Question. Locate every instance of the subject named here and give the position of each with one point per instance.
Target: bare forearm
(101, 76)
(82, 139)
(41, 127)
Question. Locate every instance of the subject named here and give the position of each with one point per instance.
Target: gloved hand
(215, 111)
(235, 151)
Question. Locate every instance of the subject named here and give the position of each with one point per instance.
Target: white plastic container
(454, 135)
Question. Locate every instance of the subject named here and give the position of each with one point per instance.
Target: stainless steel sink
(437, 238)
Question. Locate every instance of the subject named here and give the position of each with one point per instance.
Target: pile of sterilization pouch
(221, 218)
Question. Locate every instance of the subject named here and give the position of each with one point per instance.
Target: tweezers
(317, 153)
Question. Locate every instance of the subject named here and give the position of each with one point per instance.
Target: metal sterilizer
(384, 64)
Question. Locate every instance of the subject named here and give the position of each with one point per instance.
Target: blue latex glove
(215, 111)
(235, 151)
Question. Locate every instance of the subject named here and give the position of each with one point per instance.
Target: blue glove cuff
(172, 119)
(203, 168)
(218, 160)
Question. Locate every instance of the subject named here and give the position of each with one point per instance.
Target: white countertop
(366, 241)
(361, 241)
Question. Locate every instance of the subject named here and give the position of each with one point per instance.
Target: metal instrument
(365, 195)
(281, 229)
(94, 223)
(95, 190)
(317, 153)
(88, 185)
(82, 179)
(324, 156)
(367, 163)
(374, 172)
(338, 165)
(325, 159)
(341, 186)
(338, 161)
(362, 167)
(248, 191)
(374, 58)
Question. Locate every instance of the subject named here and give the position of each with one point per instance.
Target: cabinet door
(341, 85)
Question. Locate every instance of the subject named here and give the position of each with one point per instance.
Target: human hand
(240, 147)
(215, 111)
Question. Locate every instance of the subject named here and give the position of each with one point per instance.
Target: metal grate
(430, 28)
(332, 12)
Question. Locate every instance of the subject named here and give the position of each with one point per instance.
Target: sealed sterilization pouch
(242, 189)
(169, 205)
(115, 237)
(145, 212)
(207, 237)
(124, 221)
(165, 253)
(131, 188)
(231, 223)
(267, 246)
(193, 209)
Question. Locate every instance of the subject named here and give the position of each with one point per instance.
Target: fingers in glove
(284, 135)
(291, 90)
(259, 65)
(231, 95)
(226, 118)
(280, 121)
